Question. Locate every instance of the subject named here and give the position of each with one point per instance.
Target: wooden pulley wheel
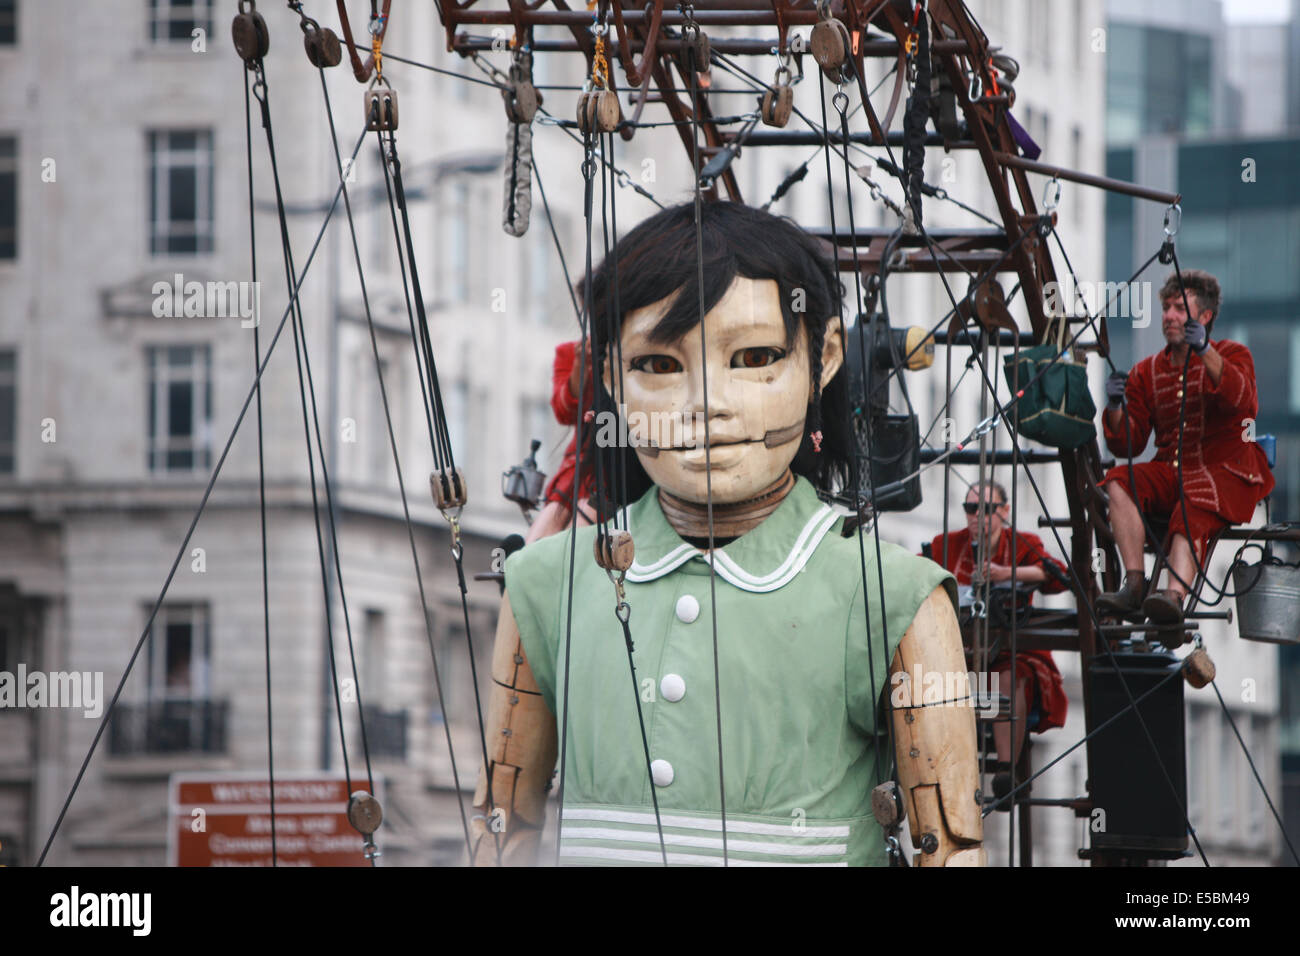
(887, 804)
(448, 488)
(364, 812)
(694, 45)
(778, 102)
(248, 30)
(599, 111)
(323, 47)
(522, 101)
(614, 550)
(381, 108)
(830, 44)
(1198, 668)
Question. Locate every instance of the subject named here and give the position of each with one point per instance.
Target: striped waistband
(602, 835)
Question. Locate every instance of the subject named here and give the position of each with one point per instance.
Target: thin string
(708, 466)
(449, 473)
(189, 533)
(302, 359)
(392, 439)
(261, 466)
(854, 465)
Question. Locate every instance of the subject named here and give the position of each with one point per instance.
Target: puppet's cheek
(769, 406)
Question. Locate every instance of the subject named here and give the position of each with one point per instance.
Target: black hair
(659, 257)
(979, 487)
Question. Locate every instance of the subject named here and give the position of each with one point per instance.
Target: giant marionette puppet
(803, 732)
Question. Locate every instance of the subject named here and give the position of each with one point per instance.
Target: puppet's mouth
(771, 439)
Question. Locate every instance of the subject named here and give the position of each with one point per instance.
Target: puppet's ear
(832, 349)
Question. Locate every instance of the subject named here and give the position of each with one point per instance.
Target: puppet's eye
(756, 357)
(656, 364)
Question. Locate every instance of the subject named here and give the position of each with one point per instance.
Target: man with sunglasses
(983, 550)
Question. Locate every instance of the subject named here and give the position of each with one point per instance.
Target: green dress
(795, 677)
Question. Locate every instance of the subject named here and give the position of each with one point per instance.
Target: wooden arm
(522, 746)
(938, 770)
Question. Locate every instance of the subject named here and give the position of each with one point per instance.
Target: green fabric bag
(1057, 409)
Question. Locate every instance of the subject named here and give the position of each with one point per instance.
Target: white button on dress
(688, 609)
(672, 687)
(661, 772)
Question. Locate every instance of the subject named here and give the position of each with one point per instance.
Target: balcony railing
(169, 726)
(385, 732)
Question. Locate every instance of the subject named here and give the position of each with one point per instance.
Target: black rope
(303, 360)
(854, 463)
(261, 466)
(181, 551)
(388, 419)
(614, 338)
(708, 466)
(441, 431)
(1002, 414)
(588, 172)
(1079, 589)
(1262, 789)
(559, 249)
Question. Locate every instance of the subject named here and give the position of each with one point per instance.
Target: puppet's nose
(709, 394)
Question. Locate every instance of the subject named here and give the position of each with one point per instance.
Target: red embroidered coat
(1037, 666)
(1222, 472)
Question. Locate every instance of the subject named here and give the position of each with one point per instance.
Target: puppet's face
(758, 394)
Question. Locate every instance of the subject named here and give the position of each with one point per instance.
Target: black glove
(1115, 386)
(1196, 337)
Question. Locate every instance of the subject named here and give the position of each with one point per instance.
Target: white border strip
(709, 843)
(652, 857)
(603, 815)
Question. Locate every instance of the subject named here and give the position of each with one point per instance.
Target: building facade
(126, 176)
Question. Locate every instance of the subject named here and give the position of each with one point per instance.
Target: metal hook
(1051, 194)
(1173, 219)
(840, 101)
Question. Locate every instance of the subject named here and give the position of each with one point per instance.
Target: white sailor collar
(762, 560)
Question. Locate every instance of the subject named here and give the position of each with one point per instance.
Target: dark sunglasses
(973, 507)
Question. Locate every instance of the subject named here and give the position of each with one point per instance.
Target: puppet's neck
(730, 521)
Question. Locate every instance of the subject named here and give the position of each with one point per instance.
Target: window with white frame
(180, 191)
(8, 409)
(454, 221)
(176, 20)
(180, 651)
(8, 197)
(456, 405)
(179, 408)
(379, 449)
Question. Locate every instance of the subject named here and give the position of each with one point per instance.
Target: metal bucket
(1269, 610)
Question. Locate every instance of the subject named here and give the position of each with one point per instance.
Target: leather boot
(1127, 599)
(1164, 607)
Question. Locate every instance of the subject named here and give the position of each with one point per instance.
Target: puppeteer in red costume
(557, 513)
(1224, 472)
(1044, 700)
